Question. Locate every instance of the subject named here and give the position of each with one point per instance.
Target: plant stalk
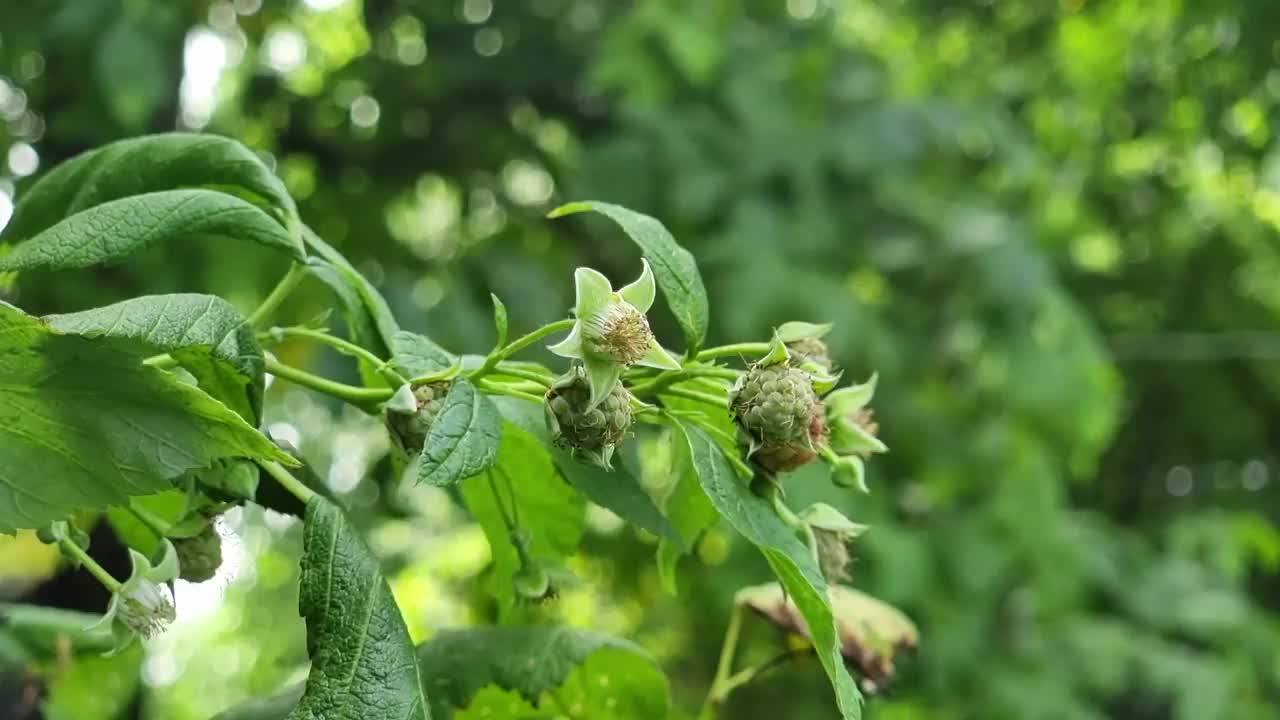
(695, 395)
(519, 344)
(153, 523)
(343, 346)
(288, 481)
(667, 379)
(748, 348)
(358, 396)
(724, 668)
(500, 389)
(69, 547)
(296, 273)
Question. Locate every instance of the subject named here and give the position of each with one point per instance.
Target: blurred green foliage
(1050, 226)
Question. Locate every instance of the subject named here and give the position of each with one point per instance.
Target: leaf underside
(790, 560)
(529, 660)
(84, 425)
(205, 333)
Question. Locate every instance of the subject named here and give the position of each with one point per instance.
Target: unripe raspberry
(832, 533)
(533, 584)
(591, 431)
(409, 430)
(200, 556)
(810, 351)
(780, 416)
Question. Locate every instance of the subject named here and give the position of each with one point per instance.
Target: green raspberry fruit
(594, 433)
(410, 431)
(200, 556)
(780, 417)
(810, 351)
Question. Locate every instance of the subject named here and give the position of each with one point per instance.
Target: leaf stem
(519, 344)
(507, 370)
(747, 348)
(666, 379)
(500, 389)
(502, 508)
(288, 481)
(153, 523)
(695, 395)
(296, 273)
(724, 667)
(345, 347)
(71, 548)
(358, 396)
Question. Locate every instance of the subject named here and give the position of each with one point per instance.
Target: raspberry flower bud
(199, 556)
(832, 532)
(853, 431)
(778, 413)
(411, 411)
(611, 332)
(805, 346)
(852, 423)
(591, 430)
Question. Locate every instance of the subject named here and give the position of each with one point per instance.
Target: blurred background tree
(1050, 226)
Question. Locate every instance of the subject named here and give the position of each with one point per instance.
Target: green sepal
(402, 402)
(602, 375)
(640, 294)
(499, 320)
(777, 354)
(851, 399)
(849, 471)
(795, 330)
(822, 516)
(848, 438)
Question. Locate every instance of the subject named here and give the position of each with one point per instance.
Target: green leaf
(464, 437)
(618, 491)
(110, 232)
(615, 490)
(613, 683)
(673, 266)
(146, 165)
(531, 660)
(791, 561)
(204, 333)
(494, 702)
(168, 506)
(42, 631)
(417, 355)
(93, 686)
(688, 509)
(362, 661)
(84, 425)
(359, 296)
(526, 483)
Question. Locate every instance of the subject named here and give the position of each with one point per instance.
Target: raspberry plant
(111, 406)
